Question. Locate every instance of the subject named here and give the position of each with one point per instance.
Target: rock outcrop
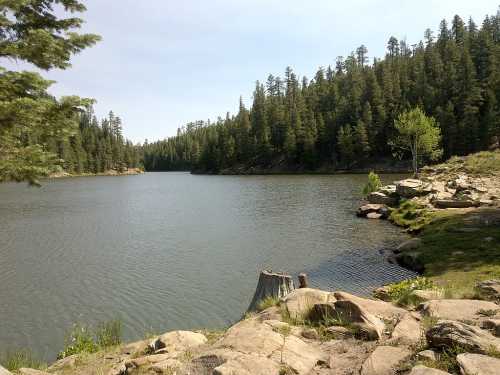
(300, 302)
(384, 360)
(459, 309)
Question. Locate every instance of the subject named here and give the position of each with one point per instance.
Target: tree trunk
(275, 285)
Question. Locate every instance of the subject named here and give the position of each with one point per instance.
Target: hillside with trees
(344, 117)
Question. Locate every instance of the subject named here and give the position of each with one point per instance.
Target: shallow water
(164, 251)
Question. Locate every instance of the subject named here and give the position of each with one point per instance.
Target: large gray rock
(477, 364)
(4, 371)
(384, 360)
(369, 208)
(410, 260)
(179, 341)
(351, 312)
(410, 188)
(300, 302)
(422, 370)
(489, 289)
(458, 309)
(380, 309)
(449, 333)
(407, 331)
(378, 197)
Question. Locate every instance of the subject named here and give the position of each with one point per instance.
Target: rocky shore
(111, 172)
(316, 332)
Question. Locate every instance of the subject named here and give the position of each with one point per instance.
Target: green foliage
(15, 360)
(85, 339)
(30, 117)
(418, 134)
(347, 114)
(410, 215)
(401, 293)
(374, 183)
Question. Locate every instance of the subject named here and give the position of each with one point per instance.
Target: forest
(96, 147)
(343, 118)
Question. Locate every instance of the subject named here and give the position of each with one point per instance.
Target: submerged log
(273, 285)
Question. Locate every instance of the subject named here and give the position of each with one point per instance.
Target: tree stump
(275, 285)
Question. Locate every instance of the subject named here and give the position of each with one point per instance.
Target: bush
(411, 215)
(84, 339)
(373, 183)
(15, 360)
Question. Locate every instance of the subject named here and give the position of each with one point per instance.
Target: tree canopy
(30, 117)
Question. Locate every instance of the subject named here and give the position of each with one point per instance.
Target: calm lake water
(165, 251)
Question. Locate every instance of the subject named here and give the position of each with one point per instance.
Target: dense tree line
(344, 117)
(96, 147)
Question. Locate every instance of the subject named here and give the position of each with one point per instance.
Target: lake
(164, 251)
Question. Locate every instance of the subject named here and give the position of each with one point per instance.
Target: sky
(163, 63)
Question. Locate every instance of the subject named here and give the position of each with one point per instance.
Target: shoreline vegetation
(111, 172)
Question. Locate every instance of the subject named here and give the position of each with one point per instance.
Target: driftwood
(275, 285)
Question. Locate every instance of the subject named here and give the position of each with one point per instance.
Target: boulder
(369, 208)
(300, 302)
(489, 289)
(136, 348)
(493, 325)
(179, 341)
(449, 333)
(428, 294)
(410, 260)
(384, 360)
(4, 371)
(310, 333)
(453, 203)
(67, 362)
(407, 331)
(382, 293)
(31, 371)
(378, 197)
(351, 312)
(410, 188)
(411, 244)
(422, 370)
(427, 355)
(457, 309)
(380, 309)
(477, 364)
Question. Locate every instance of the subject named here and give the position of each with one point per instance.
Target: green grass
(410, 215)
(402, 293)
(14, 360)
(267, 302)
(85, 339)
(481, 163)
(460, 248)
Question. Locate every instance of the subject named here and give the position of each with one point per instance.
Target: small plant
(374, 183)
(267, 302)
(284, 331)
(15, 360)
(84, 339)
(401, 293)
(109, 333)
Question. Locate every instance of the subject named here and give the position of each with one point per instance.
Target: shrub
(15, 360)
(410, 215)
(373, 183)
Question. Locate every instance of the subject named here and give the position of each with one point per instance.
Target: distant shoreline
(112, 172)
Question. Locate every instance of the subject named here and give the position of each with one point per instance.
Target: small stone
(373, 215)
(310, 333)
(339, 332)
(489, 289)
(422, 370)
(492, 325)
(382, 293)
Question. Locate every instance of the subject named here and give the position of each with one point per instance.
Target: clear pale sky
(163, 63)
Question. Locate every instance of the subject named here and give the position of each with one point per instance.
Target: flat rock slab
(300, 302)
(384, 360)
(477, 364)
(458, 309)
(178, 341)
(248, 365)
(4, 371)
(422, 370)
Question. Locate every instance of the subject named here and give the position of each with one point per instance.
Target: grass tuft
(14, 360)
